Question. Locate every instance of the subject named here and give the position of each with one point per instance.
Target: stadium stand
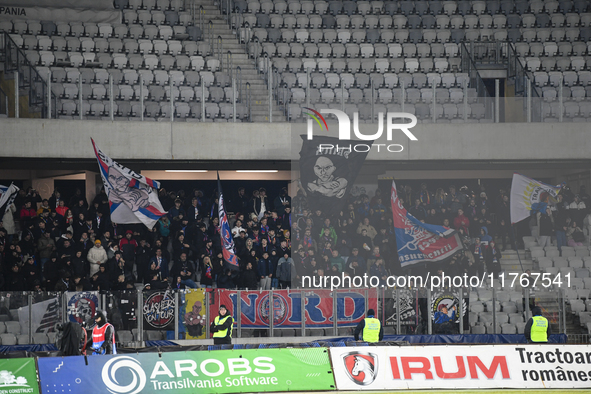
(339, 54)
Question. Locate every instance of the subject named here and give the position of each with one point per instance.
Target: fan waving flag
(226, 233)
(420, 242)
(7, 196)
(133, 198)
(529, 195)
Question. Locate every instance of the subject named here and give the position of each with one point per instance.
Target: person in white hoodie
(96, 256)
(8, 222)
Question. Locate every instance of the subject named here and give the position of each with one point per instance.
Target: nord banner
(462, 367)
(286, 308)
(223, 371)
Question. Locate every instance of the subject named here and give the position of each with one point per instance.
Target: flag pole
(515, 247)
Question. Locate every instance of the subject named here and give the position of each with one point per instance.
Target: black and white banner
(45, 316)
(328, 169)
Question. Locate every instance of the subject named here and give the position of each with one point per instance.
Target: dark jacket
(220, 327)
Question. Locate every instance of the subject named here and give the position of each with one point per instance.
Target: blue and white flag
(133, 198)
(529, 195)
(228, 250)
(419, 242)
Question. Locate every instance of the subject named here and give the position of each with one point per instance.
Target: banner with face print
(133, 198)
(328, 169)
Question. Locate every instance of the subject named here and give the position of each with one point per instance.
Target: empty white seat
(478, 330)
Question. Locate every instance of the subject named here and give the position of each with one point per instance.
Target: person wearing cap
(103, 335)
(96, 256)
(221, 327)
(537, 328)
(370, 328)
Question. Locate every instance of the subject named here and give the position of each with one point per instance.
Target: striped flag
(226, 233)
(133, 198)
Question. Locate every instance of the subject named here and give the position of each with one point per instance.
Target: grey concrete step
(248, 69)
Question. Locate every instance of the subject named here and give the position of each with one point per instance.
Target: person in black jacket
(103, 335)
(221, 327)
(492, 258)
(250, 280)
(185, 269)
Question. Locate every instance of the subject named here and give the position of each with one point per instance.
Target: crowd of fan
(65, 244)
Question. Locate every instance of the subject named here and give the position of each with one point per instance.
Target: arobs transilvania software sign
(462, 367)
(222, 371)
(393, 124)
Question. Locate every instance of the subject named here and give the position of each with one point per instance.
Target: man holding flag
(7, 208)
(228, 251)
(528, 197)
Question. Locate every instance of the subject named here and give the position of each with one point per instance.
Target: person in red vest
(103, 335)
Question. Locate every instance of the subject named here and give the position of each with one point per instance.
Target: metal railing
(3, 103)
(29, 80)
(311, 312)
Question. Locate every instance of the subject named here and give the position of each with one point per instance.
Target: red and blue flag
(228, 250)
(420, 242)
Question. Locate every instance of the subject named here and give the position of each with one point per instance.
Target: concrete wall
(31, 138)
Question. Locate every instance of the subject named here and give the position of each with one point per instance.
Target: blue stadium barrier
(463, 339)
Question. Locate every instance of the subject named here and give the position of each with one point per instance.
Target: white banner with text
(462, 367)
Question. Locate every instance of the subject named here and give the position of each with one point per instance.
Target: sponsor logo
(279, 309)
(361, 367)
(138, 380)
(432, 366)
(345, 124)
(7, 379)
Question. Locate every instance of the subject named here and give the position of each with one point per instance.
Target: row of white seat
(367, 66)
(103, 45)
(150, 93)
(94, 30)
(354, 50)
(124, 109)
(401, 21)
(574, 63)
(132, 77)
(444, 113)
(565, 78)
(445, 89)
(448, 8)
(122, 61)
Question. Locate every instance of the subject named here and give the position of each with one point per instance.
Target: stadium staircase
(219, 28)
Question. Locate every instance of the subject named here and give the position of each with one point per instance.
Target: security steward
(370, 328)
(222, 327)
(537, 329)
(103, 335)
